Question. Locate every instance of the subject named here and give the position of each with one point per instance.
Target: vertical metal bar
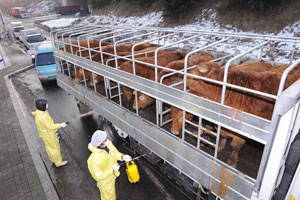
(105, 87)
(274, 126)
(230, 61)
(195, 51)
(119, 91)
(160, 107)
(113, 38)
(137, 103)
(183, 125)
(217, 141)
(69, 71)
(199, 132)
(94, 81)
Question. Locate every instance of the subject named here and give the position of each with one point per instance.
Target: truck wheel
(110, 130)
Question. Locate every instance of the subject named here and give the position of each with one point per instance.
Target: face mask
(46, 106)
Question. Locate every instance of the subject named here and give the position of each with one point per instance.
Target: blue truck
(45, 63)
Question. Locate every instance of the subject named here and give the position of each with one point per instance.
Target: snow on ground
(205, 21)
(44, 7)
(152, 19)
(59, 22)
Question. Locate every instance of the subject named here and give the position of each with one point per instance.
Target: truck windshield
(18, 29)
(45, 59)
(35, 38)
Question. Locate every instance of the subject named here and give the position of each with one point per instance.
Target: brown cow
(109, 49)
(176, 114)
(85, 53)
(88, 75)
(93, 44)
(147, 52)
(122, 48)
(147, 71)
(265, 81)
(145, 100)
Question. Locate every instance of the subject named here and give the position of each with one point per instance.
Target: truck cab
(31, 38)
(45, 63)
(16, 27)
(34, 40)
(18, 12)
(16, 31)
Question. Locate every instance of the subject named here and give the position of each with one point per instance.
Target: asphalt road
(74, 181)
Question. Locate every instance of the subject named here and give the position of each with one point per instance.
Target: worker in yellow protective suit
(47, 130)
(103, 165)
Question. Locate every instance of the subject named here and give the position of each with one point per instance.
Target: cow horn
(202, 69)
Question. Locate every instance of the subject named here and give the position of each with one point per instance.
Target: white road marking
(20, 48)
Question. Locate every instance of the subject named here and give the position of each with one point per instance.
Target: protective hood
(93, 149)
(41, 104)
(36, 112)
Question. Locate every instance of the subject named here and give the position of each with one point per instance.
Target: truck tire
(112, 133)
(291, 164)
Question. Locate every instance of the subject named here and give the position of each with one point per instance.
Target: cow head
(177, 116)
(79, 74)
(143, 101)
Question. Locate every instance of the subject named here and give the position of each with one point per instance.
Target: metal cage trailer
(268, 169)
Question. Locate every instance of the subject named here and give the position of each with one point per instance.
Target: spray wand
(138, 157)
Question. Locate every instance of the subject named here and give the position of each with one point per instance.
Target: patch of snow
(44, 7)
(152, 19)
(290, 30)
(206, 21)
(59, 22)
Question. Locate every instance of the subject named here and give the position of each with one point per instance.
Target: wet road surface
(74, 181)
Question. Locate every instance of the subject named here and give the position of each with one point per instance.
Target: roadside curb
(31, 136)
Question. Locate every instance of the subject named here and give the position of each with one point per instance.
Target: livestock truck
(267, 165)
(18, 12)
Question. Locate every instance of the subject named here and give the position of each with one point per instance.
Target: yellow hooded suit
(47, 131)
(100, 164)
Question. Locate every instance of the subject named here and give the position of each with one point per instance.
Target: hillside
(226, 18)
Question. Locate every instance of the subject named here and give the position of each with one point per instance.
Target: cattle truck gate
(187, 153)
